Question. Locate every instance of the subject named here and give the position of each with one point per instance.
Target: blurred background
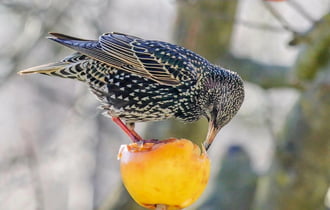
(57, 151)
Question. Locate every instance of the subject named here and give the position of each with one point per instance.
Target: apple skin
(173, 172)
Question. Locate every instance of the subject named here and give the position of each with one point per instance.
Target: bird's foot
(135, 137)
(144, 141)
(147, 144)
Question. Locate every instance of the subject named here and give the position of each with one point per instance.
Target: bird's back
(135, 79)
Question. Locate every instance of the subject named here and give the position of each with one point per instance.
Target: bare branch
(301, 10)
(267, 76)
(285, 24)
(23, 52)
(259, 26)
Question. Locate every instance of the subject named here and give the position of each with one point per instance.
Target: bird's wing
(160, 61)
(91, 48)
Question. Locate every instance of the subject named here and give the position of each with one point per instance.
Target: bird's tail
(78, 67)
(59, 69)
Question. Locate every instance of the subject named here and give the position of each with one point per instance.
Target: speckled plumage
(144, 80)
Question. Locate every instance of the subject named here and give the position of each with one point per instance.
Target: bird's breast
(137, 98)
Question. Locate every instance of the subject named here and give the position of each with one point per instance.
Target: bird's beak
(211, 133)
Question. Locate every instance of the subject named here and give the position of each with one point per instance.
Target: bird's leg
(131, 126)
(128, 129)
(141, 141)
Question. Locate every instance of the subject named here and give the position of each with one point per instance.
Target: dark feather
(155, 60)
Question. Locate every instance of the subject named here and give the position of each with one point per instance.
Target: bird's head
(225, 97)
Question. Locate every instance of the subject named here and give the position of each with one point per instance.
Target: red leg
(131, 133)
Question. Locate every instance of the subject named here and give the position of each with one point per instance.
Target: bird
(140, 80)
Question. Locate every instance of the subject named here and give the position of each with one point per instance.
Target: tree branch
(267, 76)
(285, 24)
(301, 10)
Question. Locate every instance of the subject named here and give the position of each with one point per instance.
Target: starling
(140, 80)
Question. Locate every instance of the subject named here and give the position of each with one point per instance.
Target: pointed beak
(211, 133)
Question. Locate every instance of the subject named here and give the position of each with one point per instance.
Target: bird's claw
(144, 141)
